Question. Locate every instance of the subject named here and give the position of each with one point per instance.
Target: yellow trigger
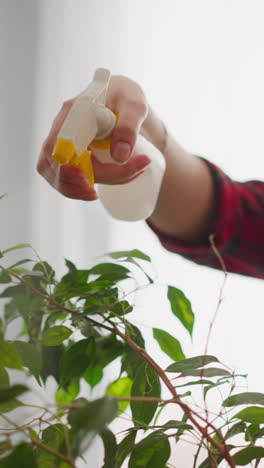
(101, 144)
(63, 152)
(84, 162)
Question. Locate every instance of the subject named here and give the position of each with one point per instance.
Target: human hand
(126, 99)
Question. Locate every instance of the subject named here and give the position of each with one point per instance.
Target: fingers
(127, 100)
(72, 183)
(130, 118)
(69, 181)
(119, 174)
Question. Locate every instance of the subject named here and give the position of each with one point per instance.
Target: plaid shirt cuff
(234, 226)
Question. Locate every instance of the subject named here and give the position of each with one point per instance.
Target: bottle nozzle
(105, 120)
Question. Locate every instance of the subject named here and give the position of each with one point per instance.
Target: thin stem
(197, 453)
(217, 253)
(40, 444)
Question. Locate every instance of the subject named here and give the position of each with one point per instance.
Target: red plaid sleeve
(237, 225)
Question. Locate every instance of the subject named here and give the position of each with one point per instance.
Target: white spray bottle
(89, 124)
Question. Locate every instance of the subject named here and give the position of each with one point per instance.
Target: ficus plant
(64, 333)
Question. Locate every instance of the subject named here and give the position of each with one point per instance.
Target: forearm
(186, 200)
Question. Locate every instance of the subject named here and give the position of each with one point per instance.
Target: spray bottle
(90, 124)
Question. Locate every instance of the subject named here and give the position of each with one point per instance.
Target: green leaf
(108, 268)
(130, 254)
(146, 384)
(5, 446)
(108, 348)
(53, 436)
(214, 385)
(252, 414)
(23, 456)
(252, 431)
(51, 358)
(47, 270)
(111, 271)
(9, 356)
(245, 456)
(67, 395)
(31, 357)
(257, 435)
(212, 372)
(70, 265)
(33, 434)
(14, 291)
(71, 284)
(10, 312)
(9, 393)
(53, 317)
(191, 363)
(246, 398)
(131, 361)
(170, 345)
(135, 334)
(125, 447)
(56, 335)
(181, 308)
(180, 431)
(237, 428)
(110, 448)
(151, 452)
(172, 424)
(35, 274)
(30, 309)
(16, 247)
(94, 415)
(100, 289)
(93, 375)
(10, 405)
(134, 262)
(120, 388)
(76, 359)
(198, 382)
(121, 308)
(5, 277)
(20, 262)
(4, 378)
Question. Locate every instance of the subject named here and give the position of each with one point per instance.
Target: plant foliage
(68, 331)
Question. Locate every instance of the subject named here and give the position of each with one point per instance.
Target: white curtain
(201, 65)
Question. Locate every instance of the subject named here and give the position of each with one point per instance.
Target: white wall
(201, 65)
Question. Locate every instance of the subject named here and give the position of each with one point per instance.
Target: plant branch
(40, 444)
(222, 449)
(195, 460)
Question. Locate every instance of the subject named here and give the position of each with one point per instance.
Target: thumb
(127, 128)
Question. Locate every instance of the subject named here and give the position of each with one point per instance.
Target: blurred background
(201, 65)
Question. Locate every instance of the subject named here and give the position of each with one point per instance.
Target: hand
(126, 99)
